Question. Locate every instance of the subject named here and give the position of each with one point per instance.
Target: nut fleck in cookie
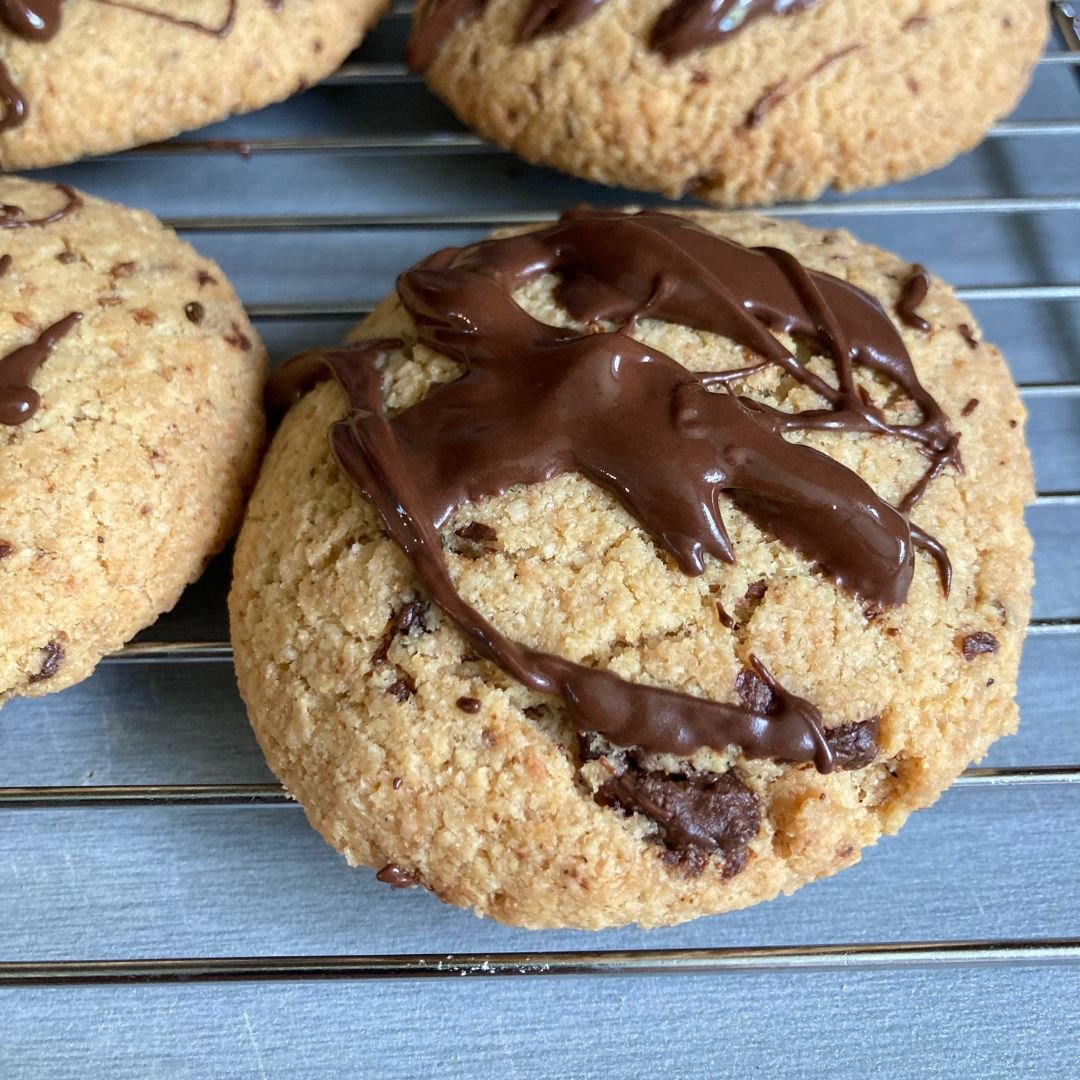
(92, 76)
(738, 101)
(654, 565)
(130, 423)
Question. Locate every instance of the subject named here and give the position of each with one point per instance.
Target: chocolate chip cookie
(130, 423)
(93, 76)
(735, 102)
(636, 567)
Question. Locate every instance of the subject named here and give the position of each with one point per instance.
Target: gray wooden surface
(987, 863)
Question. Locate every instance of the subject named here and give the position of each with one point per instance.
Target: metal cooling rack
(996, 190)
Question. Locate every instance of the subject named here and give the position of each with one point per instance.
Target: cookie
(145, 70)
(736, 103)
(130, 424)
(653, 566)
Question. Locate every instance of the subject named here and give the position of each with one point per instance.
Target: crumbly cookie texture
(141, 78)
(406, 749)
(848, 94)
(133, 471)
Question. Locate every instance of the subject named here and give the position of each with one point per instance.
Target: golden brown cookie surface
(845, 93)
(93, 76)
(126, 446)
(406, 748)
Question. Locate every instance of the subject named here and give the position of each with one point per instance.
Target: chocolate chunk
(970, 407)
(122, 270)
(52, 662)
(586, 747)
(755, 693)
(469, 705)
(397, 877)
(707, 812)
(408, 616)
(401, 622)
(238, 339)
(5, 549)
(755, 592)
(478, 532)
(978, 643)
(204, 278)
(479, 539)
(67, 257)
(968, 335)
(402, 688)
(691, 861)
(397, 783)
(195, 312)
(854, 746)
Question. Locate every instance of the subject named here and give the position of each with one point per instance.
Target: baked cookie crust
(133, 469)
(410, 753)
(845, 94)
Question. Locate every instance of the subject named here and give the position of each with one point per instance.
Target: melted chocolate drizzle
(40, 20)
(536, 401)
(683, 27)
(18, 399)
(14, 217)
(912, 294)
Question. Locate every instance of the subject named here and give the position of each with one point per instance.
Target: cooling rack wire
(360, 72)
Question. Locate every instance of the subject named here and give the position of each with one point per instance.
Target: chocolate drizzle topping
(14, 217)
(40, 20)
(912, 294)
(682, 28)
(536, 401)
(18, 399)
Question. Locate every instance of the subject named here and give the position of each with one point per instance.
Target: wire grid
(361, 72)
